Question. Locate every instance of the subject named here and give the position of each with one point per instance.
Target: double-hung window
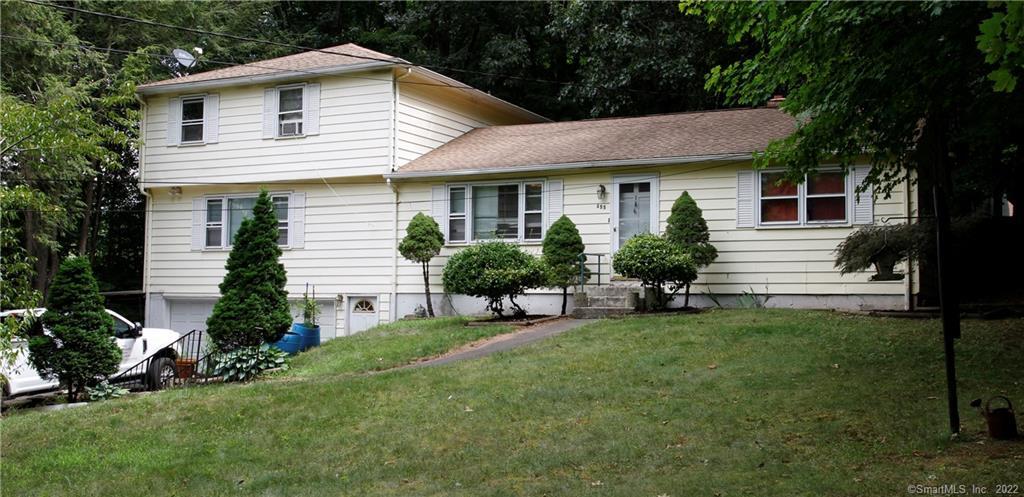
(496, 211)
(290, 112)
(224, 215)
(823, 198)
(192, 119)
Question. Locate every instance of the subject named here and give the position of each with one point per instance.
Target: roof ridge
(632, 118)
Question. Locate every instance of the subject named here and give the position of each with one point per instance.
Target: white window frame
(802, 196)
(521, 214)
(225, 221)
(302, 120)
(202, 122)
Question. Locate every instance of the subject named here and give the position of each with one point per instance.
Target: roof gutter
(262, 78)
(654, 161)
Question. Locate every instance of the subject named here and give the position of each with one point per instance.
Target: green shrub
(688, 230)
(253, 307)
(493, 271)
(105, 391)
(79, 348)
(562, 247)
(423, 240)
(882, 247)
(246, 363)
(657, 264)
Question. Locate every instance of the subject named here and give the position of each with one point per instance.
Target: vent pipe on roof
(773, 103)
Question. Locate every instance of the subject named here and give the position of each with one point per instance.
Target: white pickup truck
(136, 344)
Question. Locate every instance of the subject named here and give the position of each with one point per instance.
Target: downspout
(394, 190)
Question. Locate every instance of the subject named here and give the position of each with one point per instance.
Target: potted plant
(880, 246)
(309, 328)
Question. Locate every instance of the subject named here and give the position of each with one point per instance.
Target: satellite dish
(184, 58)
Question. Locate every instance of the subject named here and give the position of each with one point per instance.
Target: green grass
(797, 403)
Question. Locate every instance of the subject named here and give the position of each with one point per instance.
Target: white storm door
(634, 208)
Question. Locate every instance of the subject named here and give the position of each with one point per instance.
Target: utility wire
(393, 60)
(588, 187)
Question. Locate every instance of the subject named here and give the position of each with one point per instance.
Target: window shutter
(173, 121)
(439, 208)
(311, 109)
(554, 201)
(198, 223)
(745, 199)
(297, 220)
(270, 113)
(211, 118)
(863, 204)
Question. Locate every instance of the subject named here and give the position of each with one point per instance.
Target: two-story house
(352, 143)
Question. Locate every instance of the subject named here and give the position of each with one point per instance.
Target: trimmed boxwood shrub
(253, 307)
(688, 230)
(658, 264)
(493, 271)
(562, 247)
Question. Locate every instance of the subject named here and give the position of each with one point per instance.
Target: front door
(632, 212)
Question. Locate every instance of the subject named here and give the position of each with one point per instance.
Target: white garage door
(188, 315)
(328, 320)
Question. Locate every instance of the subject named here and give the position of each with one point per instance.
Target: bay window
(496, 211)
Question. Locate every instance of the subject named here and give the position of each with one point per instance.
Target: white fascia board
(656, 161)
(261, 78)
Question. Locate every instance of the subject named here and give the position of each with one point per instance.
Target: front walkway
(504, 342)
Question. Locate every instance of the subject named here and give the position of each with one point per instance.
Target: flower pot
(290, 343)
(310, 335)
(186, 368)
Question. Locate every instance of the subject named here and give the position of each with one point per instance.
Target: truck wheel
(161, 374)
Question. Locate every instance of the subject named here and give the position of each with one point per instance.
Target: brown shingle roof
(692, 134)
(349, 54)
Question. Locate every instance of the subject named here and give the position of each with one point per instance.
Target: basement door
(634, 210)
(362, 314)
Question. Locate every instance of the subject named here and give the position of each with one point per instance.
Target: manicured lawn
(760, 402)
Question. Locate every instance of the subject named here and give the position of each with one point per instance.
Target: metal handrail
(188, 349)
(582, 258)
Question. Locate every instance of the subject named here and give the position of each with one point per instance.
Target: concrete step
(627, 301)
(610, 290)
(599, 312)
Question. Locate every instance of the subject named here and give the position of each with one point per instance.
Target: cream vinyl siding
(429, 116)
(347, 249)
(354, 139)
(788, 260)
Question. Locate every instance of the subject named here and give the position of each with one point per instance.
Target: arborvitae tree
(562, 247)
(79, 348)
(688, 230)
(253, 307)
(423, 240)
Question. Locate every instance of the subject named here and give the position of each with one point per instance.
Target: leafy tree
(688, 230)
(493, 271)
(658, 264)
(253, 307)
(902, 85)
(562, 247)
(78, 347)
(1002, 41)
(423, 240)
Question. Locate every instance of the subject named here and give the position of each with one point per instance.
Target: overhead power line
(329, 52)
